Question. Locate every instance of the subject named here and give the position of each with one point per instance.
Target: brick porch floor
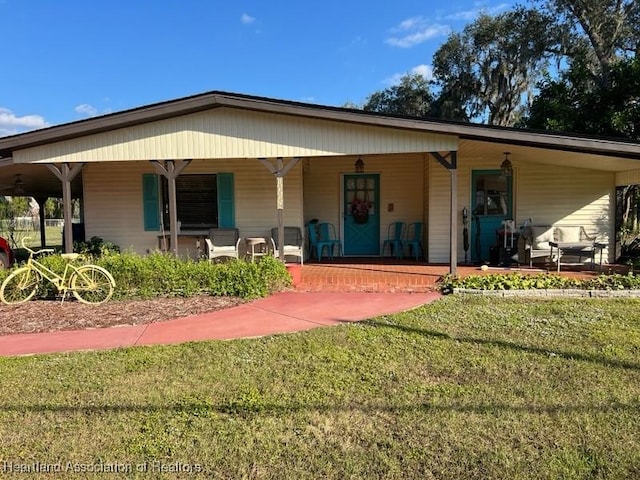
(390, 275)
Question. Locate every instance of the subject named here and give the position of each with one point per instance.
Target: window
(203, 201)
(197, 201)
(491, 195)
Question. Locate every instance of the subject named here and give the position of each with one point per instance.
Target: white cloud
(410, 24)
(498, 8)
(394, 79)
(86, 110)
(10, 124)
(470, 15)
(425, 70)
(247, 19)
(415, 30)
(466, 15)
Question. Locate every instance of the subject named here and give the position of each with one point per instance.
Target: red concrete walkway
(343, 290)
(279, 313)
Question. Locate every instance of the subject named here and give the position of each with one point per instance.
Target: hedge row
(164, 275)
(519, 281)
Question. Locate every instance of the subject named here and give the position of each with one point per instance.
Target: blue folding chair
(414, 239)
(327, 233)
(318, 244)
(395, 234)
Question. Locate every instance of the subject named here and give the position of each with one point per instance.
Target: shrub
(4, 273)
(161, 274)
(518, 281)
(95, 247)
(164, 275)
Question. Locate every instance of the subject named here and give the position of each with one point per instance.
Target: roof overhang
(212, 100)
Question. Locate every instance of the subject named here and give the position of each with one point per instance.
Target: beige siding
(113, 201)
(546, 194)
(228, 133)
(630, 177)
(567, 196)
(439, 199)
(401, 184)
(426, 198)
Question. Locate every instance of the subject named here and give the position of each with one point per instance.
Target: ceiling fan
(17, 188)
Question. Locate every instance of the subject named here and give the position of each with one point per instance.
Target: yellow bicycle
(88, 283)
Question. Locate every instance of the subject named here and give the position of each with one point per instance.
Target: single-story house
(228, 160)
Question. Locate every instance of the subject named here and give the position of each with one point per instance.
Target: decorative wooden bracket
(452, 164)
(279, 170)
(170, 170)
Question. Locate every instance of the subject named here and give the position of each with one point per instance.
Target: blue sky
(67, 60)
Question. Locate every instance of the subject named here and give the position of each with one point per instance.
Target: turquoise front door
(491, 204)
(361, 214)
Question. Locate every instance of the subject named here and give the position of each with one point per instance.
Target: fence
(53, 222)
(29, 223)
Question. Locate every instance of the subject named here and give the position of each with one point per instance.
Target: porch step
(368, 278)
(366, 288)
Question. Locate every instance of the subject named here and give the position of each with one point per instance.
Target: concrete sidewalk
(280, 313)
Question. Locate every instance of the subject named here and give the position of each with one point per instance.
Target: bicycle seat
(70, 256)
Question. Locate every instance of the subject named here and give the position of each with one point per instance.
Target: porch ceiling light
(506, 167)
(359, 165)
(18, 186)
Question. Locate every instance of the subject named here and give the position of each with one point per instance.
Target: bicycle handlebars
(35, 252)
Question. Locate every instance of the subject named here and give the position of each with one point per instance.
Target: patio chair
(535, 242)
(223, 242)
(328, 234)
(414, 239)
(537, 238)
(293, 242)
(317, 243)
(395, 233)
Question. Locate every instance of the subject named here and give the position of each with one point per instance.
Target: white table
(256, 247)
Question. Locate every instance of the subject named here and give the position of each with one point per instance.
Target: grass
(53, 236)
(464, 388)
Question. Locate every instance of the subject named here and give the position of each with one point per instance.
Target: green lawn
(53, 236)
(464, 388)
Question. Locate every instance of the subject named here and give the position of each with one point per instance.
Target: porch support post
(280, 208)
(450, 162)
(279, 171)
(66, 174)
(171, 171)
(43, 237)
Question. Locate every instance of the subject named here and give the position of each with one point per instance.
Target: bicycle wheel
(91, 284)
(20, 286)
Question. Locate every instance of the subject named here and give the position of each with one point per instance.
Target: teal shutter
(226, 211)
(151, 202)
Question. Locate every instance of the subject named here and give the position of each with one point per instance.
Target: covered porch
(130, 171)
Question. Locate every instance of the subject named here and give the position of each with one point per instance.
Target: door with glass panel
(361, 214)
(491, 204)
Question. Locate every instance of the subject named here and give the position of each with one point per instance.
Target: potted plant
(360, 210)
